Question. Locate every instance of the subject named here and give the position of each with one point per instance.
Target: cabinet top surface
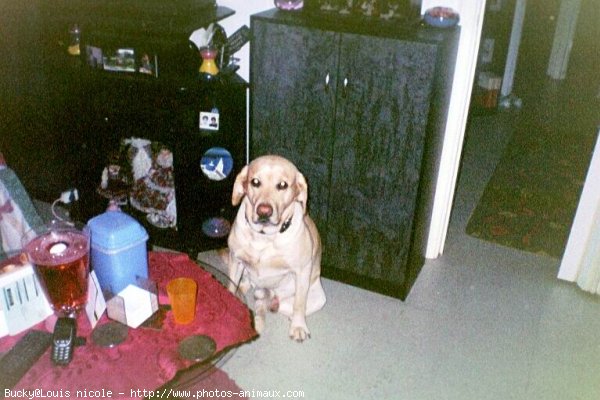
(413, 30)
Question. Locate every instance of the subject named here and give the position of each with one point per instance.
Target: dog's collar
(285, 225)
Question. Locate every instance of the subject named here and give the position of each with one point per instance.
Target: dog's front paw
(299, 331)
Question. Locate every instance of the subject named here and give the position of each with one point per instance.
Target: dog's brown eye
(255, 182)
(282, 186)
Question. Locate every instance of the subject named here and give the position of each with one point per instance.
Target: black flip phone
(63, 340)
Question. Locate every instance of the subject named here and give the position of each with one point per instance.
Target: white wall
(471, 21)
(243, 10)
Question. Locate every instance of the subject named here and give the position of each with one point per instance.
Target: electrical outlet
(69, 196)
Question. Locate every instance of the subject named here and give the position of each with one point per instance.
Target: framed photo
(495, 5)
(94, 57)
(122, 60)
(147, 63)
(209, 121)
(487, 50)
(119, 60)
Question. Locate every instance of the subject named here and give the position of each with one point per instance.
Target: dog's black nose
(264, 211)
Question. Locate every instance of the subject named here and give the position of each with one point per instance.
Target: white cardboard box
(132, 306)
(23, 303)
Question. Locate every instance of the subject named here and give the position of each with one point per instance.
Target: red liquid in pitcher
(62, 261)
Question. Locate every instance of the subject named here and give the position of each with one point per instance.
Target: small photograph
(148, 64)
(495, 5)
(120, 60)
(209, 120)
(94, 57)
(486, 53)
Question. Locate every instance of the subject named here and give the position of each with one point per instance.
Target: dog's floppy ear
(302, 190)
(239, 187)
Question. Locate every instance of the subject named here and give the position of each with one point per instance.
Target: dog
(274, 245)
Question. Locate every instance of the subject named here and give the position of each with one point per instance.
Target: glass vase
(289, 4)
(209, 65)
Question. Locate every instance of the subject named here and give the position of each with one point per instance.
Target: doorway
(549, 140)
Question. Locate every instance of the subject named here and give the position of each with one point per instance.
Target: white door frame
(471, 22)
(583, 226)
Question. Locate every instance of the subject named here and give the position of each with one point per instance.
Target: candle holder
(289, 4)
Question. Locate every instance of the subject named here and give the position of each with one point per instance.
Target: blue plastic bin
(118, 250)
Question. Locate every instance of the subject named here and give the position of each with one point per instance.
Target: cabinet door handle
(345, 88)
(327, 81)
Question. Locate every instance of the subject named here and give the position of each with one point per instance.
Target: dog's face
(271, 186)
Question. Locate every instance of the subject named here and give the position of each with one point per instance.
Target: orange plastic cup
(182, 295)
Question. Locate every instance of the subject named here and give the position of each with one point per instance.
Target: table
(149, 358)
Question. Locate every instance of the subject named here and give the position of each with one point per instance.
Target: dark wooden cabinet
(353, 108)
(293, 100)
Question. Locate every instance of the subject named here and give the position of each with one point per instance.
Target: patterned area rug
(530, 201)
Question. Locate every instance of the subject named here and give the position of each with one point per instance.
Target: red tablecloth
(148, 358)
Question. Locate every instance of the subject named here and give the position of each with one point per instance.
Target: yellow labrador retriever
(274, 246)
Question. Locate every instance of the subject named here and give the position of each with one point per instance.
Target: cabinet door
(384, 90)
(293, 91)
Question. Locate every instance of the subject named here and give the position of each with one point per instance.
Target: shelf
(153, 23)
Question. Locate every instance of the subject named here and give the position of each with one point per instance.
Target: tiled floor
(482, 322)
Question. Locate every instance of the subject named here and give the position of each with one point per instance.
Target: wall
(243, 10)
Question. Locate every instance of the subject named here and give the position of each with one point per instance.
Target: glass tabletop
(224, 324)
(187, 377)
